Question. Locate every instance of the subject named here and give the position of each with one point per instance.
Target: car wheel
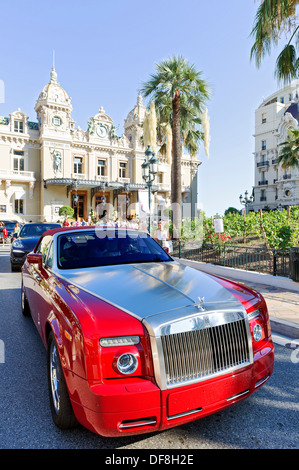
(13, 268)
(24, 303)
(61, 408)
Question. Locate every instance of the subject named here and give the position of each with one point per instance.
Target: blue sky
(105, 49)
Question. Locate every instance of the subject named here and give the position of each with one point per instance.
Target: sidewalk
(281, 294)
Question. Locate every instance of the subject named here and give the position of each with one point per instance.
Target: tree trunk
(176, 186)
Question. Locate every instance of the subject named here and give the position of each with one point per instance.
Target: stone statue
(90, 128)
(113, 134)
(57, 161)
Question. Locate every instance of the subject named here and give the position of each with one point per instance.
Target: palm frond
(274, 17)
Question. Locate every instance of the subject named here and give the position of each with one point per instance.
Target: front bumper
(18, 258)
(136, 406)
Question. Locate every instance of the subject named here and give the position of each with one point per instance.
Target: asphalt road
(266, 420)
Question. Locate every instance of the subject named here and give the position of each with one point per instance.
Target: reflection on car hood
(28, 243)
(147, 289)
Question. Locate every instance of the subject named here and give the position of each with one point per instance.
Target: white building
(274, 186)
(50, 163)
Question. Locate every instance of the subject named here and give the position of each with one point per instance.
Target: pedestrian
(3, 233)
(17, 229)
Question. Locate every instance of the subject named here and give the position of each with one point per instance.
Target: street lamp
(127, 199)
(75, 196)
(149, 170)
(246, 200)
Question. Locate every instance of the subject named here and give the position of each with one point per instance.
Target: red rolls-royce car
(137, 342)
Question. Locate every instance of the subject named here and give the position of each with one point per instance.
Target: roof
(293, 109)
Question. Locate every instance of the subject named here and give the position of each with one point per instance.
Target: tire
(61, 408)
(24, 303)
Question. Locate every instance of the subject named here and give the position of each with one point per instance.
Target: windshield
(36, 230)
(102, 248)
(10, 225)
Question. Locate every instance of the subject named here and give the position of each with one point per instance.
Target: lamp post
(149, 171)
(127, 199)
(246, 200)
(75, 196)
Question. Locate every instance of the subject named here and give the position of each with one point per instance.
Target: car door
(42, 290)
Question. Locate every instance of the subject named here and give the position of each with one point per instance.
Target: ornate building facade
(51, 163)
(275, 187)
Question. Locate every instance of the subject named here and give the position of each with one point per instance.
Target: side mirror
(35, 258)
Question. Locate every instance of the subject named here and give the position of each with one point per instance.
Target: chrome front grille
(198, 354)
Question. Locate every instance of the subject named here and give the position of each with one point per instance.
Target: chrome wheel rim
(54, 377)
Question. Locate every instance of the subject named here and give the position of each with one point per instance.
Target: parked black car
(26, 241)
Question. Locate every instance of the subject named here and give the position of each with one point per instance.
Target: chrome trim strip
(238, 395)
(181, 415)
(137, 424)
(254, 314)
(262, 381)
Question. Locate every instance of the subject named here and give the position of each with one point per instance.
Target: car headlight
(257, 332)
(127, 363)
(256, 319)
(17, 244)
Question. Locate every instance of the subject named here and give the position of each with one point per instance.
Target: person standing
(17, 229)
(3, 232)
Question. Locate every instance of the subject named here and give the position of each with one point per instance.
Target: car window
(10, 225)
(36, 230)
(49, 260)
(102, 248)
(43, 247)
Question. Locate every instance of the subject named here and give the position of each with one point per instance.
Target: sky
(106, 50)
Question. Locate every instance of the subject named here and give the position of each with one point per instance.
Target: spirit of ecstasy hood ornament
(199, 305)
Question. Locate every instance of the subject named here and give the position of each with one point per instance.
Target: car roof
(43, 223)
(9, 221)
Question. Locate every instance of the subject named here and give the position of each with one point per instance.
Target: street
(266, 420)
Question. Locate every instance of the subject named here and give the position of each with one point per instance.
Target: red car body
(77, 313)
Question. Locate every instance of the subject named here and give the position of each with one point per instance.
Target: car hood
(147, 289)
(28, 243)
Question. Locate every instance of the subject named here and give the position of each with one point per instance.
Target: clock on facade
(101, 130)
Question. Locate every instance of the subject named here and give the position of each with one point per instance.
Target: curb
(285, 328)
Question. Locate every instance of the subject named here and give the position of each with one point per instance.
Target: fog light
(257, 332)
(127, 363)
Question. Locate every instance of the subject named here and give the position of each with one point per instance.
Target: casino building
(49, 162)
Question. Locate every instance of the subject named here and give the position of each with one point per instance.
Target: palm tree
(274, 17)
(179, 94)
(289, 155)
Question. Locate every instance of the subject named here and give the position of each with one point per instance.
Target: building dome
(137, 114)
(53, 92)
(293, 109)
